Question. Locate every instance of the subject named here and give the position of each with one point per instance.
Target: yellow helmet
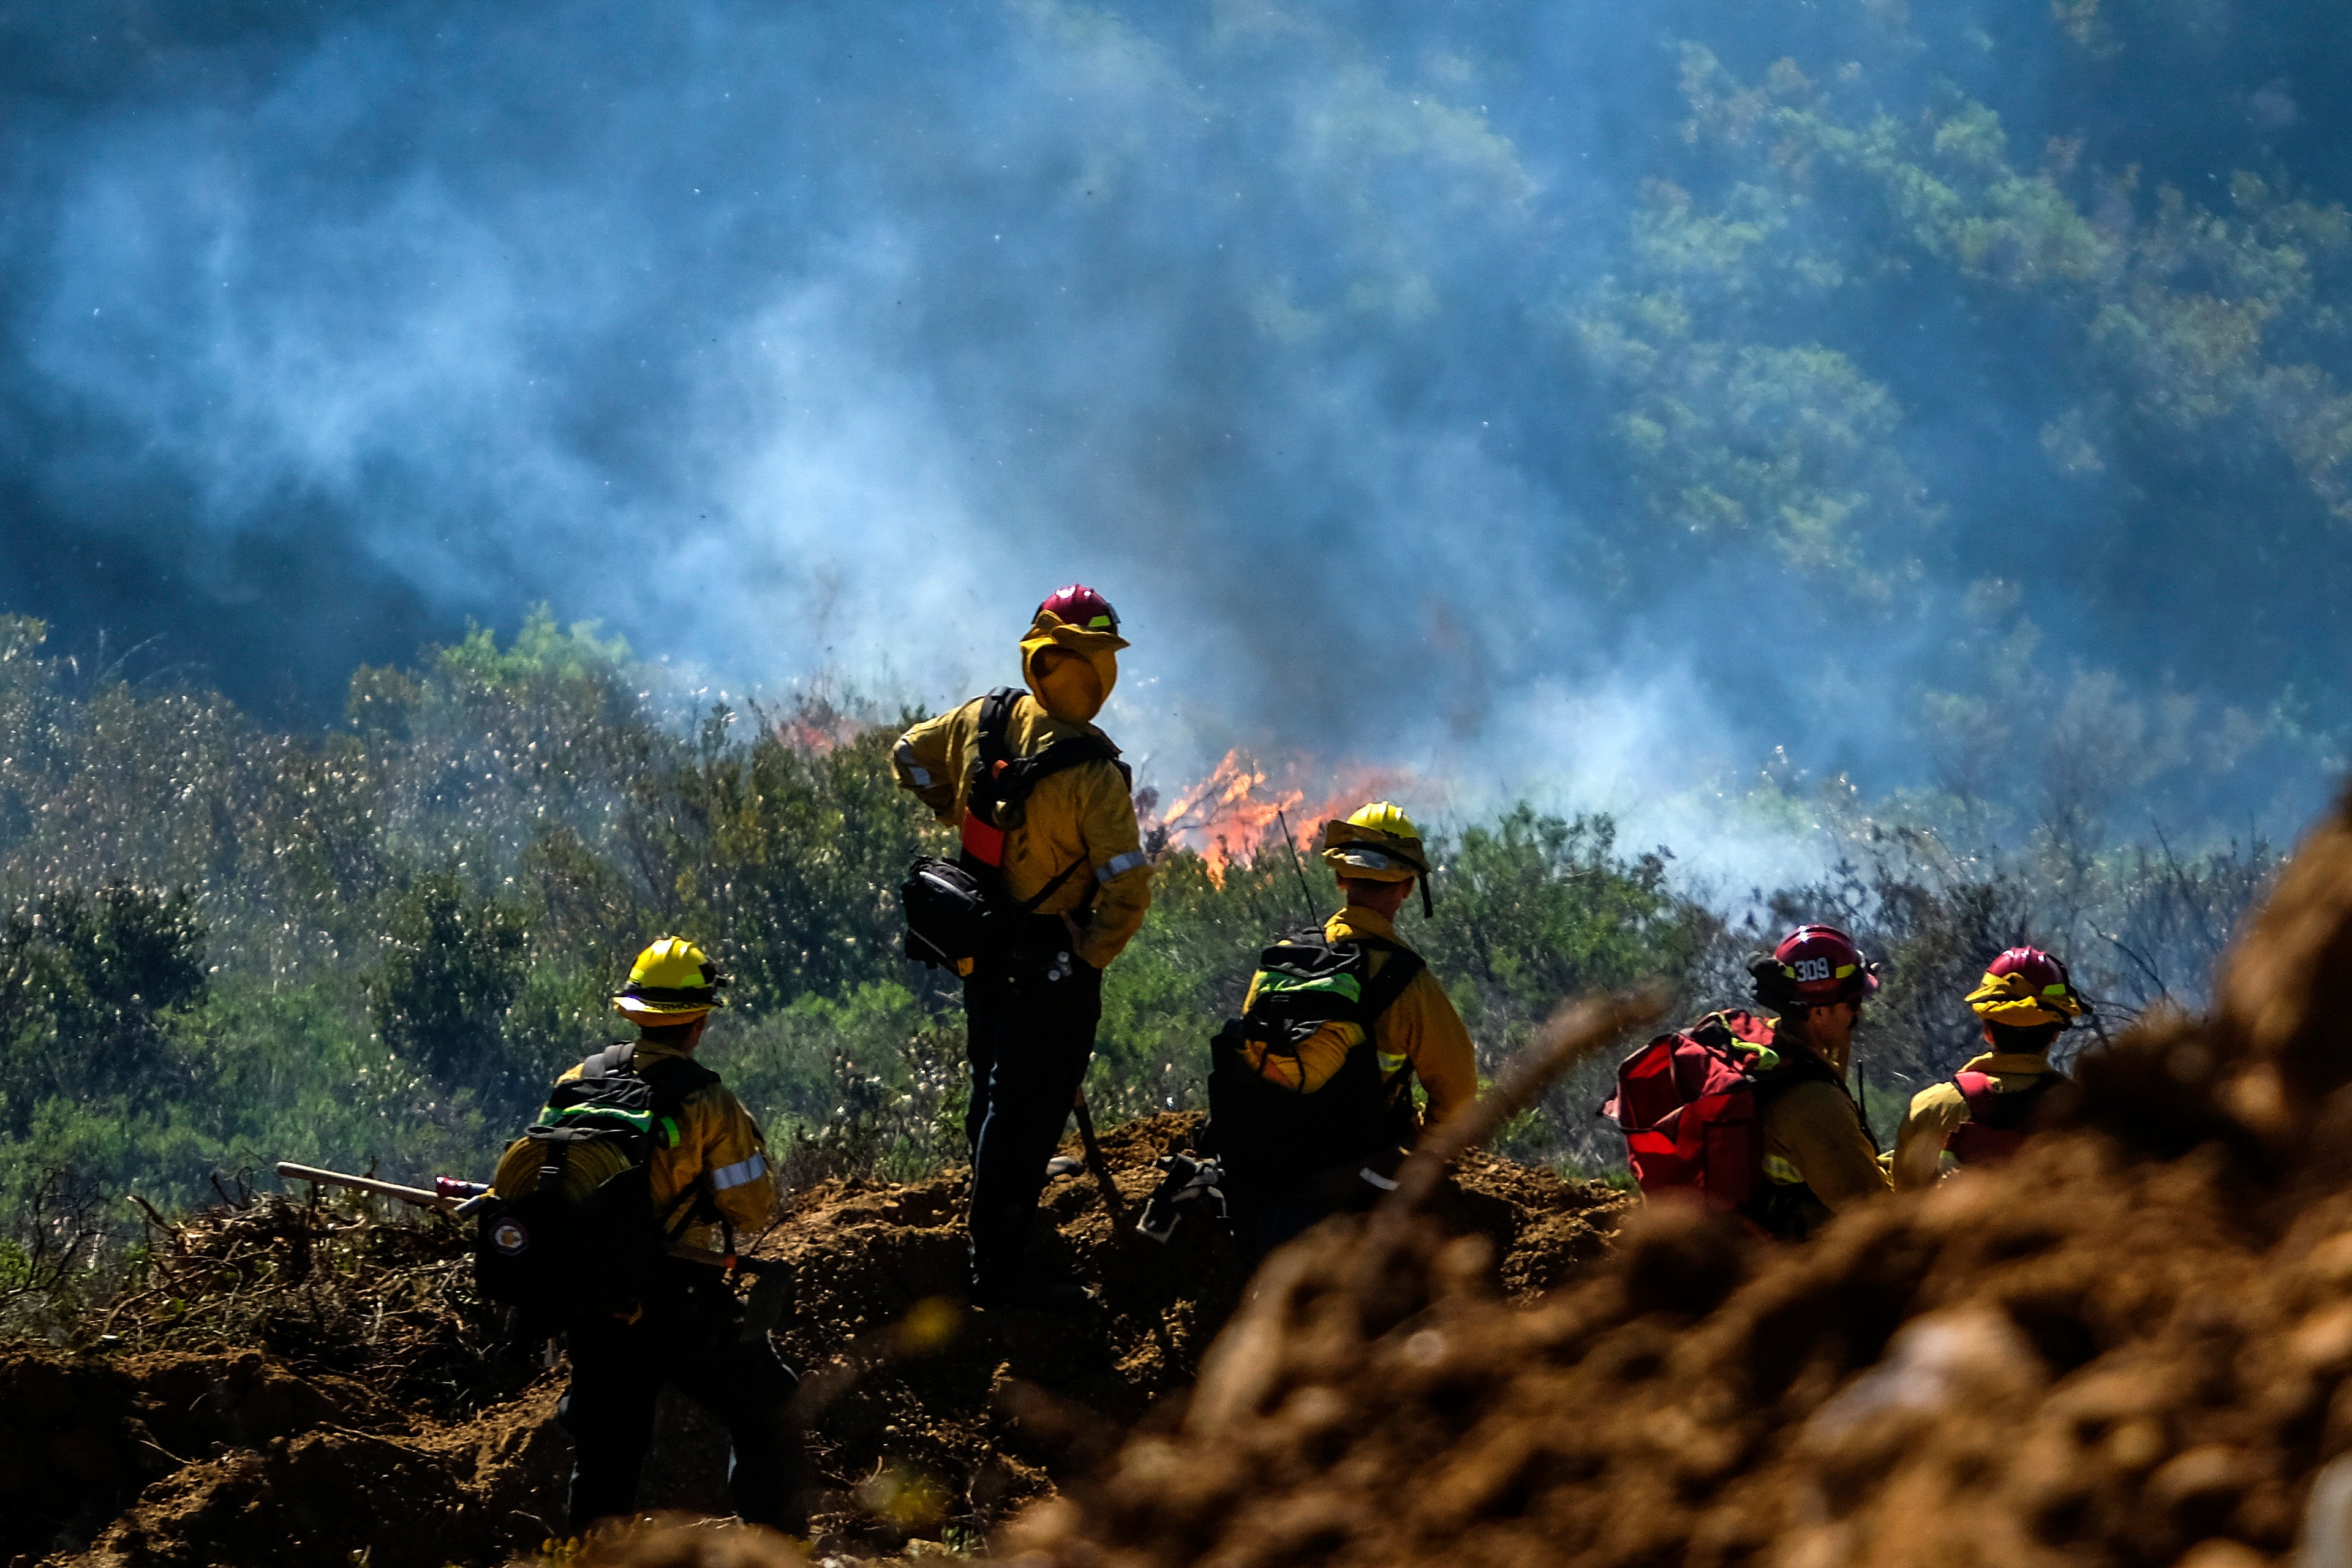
(671, 982)
(1378, 843)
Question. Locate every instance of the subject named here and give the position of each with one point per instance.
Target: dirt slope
(2134, 1346)
(295, 1385)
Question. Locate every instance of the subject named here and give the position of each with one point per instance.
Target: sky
(819, 342)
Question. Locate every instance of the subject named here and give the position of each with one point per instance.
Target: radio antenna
(1297, 865)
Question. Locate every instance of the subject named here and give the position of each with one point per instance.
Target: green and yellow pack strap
(614, 1098)
(1309, 980)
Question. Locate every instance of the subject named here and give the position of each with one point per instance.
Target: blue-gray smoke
(828, 337)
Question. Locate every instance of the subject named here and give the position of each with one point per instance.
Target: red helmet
(1814, 966)
(1079, 605)
(2026, 986)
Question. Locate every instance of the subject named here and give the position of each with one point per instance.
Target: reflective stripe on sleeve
(915, 770)
(736, 1175)
(1120, 864)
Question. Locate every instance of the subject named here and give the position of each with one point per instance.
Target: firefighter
(1046, 817)
(2025, 1001)
(711, 1190)
(1310, 1090)
(1819, 1157)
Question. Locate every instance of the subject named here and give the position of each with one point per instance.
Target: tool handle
(421, 1197)
(1101, 1167)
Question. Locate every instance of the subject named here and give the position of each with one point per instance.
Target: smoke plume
(1572, 399)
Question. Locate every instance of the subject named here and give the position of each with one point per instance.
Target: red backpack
(1997, 1124)
(1686, 1104)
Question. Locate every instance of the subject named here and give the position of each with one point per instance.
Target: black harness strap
(1403, 967)
(1798, 1066)
(672, 1080)
(1001, 783)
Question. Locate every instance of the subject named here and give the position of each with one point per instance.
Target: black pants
(1268, 1217)
(1030, 1022)
(686, 1339)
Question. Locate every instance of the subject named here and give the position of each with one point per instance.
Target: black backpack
(554, 1256)
(957, 910)
(1269, 1136)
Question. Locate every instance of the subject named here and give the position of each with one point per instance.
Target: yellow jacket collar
(1357, 921)
(2015, 1062)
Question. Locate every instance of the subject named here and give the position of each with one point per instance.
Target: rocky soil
(295, 1385)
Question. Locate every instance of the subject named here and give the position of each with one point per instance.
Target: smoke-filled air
(486, 487)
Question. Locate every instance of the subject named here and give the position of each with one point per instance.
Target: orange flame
(814, 727)
(1226, 817)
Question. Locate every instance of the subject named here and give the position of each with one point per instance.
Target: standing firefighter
(2025, 1001)
(1311, 1089)
(1752, 1114)
(1820, 1158)
(1057, 880)
(614, 1217)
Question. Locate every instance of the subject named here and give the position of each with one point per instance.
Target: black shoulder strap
(672, 1078)
(2015, 1109)
(1000, 781)
(1028, 906)
(1403, 967)
(1798, 1066)
(996, 718)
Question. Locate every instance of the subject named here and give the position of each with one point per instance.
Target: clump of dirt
(675, 1543)
(278, 1383)
(944, 1426)
(2131, 1346)
(295, 1384)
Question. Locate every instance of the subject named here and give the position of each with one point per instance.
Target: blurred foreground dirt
(2130, 1347)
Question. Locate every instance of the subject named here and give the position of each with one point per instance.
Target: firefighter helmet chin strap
(1428, 907)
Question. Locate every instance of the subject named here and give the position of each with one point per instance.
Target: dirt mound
(937, 1419)
(295, 1385)
(2132, 1346)
(282, 1383)
(185, 1458)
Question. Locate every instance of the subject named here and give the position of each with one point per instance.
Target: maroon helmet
(2025, 987)
(1814, 966)
(1079, 605)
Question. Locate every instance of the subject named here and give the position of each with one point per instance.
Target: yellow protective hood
(2012, 1000)
(1078, 688)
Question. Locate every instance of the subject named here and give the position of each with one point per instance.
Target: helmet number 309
(1813, 969)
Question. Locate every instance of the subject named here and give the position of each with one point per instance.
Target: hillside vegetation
(222, 945)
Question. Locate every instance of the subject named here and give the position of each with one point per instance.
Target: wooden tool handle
(421, 1197)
